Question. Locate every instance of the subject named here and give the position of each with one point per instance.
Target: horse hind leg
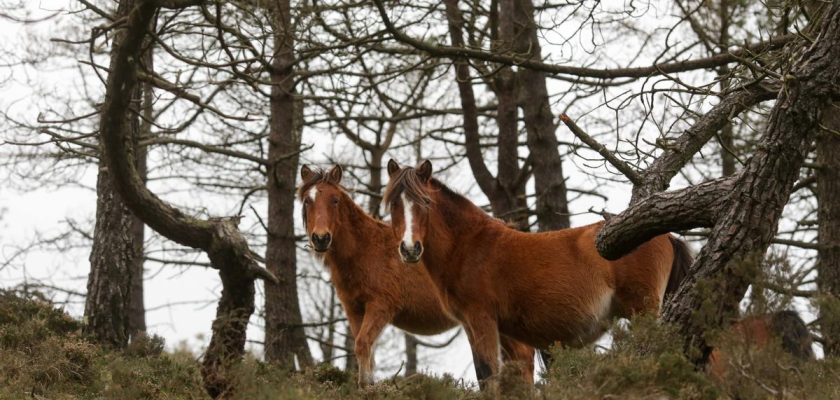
(521, 354)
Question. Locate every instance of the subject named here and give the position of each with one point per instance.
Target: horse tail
(679, 267)
(794, 334)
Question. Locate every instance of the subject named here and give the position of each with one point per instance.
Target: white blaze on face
(312, 193)
(408, 233)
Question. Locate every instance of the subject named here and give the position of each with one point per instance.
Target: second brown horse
(539, 288)
(373, 285)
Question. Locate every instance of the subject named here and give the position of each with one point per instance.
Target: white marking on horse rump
(602, 304)
(408, 237)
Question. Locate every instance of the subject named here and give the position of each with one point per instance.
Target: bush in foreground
(43, 355)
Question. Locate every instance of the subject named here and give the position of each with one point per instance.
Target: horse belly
(424, 322)
(571, 323)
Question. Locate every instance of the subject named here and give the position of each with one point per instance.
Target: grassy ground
(43, 355)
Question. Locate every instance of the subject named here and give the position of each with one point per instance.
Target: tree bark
(729, 261)
(505, 191)
(350, 363)
(285, 339)
(116, 251)
(552, 207)
(137, 307)
(828, 216)
(410, 355)
(112, 261)
(218, 237)
(745, 217)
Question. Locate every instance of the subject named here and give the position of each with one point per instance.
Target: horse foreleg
(514, 351)
(483, 334)
(374, 321)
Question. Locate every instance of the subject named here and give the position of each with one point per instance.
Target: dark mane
(407, 182)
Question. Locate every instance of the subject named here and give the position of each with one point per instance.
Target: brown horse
(539, 288)
(373, 285)
(759, 331)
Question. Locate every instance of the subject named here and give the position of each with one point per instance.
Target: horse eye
(335, 201)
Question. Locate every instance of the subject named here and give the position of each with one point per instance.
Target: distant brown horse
(539, 288)
(759, 331)
(374, 286)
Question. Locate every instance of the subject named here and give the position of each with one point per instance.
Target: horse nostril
(321, 240)
(418, 247)
(403, 249)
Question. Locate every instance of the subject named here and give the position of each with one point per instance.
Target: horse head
(321, 195)
(408, 200)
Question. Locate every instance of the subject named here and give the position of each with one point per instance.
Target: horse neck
(453, 224)
(355, 235)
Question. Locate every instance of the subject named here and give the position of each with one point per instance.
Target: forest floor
(44, 356)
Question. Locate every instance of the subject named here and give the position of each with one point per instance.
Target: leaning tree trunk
(747, 222)
(218, 237)
(828, 217)
(284, 335)
(743, 210)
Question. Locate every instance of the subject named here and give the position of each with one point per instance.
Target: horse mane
(407, 182)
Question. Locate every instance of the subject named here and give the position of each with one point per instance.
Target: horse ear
(393, 167)
(424, 171)
(335, 174)
(306, 172)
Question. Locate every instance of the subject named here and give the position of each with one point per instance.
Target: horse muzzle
(321, 243)
(411, 255)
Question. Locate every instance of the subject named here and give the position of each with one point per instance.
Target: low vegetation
(44, 356)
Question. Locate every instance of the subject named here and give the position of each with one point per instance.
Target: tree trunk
(114, 253)
(137, 307)
(284, 337)
(350, 363)
(410, 355)
(508, 201)
(728, 263)
(727, 140)
(218, 237)
(552, 206)
(506, 191)
(828, 216)
(112, 261)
